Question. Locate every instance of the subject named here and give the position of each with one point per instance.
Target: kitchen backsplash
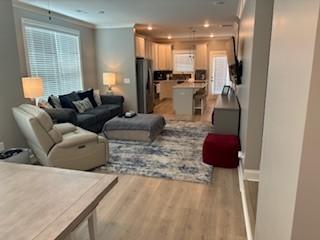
(181, 76)
(162, 75)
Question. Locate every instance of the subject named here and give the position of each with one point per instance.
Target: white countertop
(190, 85)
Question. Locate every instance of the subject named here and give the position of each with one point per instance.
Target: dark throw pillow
(66, 100)
(88, 94)
(54, 101)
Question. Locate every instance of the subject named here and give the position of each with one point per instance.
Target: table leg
(92, 225)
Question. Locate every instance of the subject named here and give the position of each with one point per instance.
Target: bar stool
(199, 101)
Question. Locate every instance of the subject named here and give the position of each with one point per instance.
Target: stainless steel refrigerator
(144, 85)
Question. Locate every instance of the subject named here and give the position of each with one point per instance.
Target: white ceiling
(174, 17)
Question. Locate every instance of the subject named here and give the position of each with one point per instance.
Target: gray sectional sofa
(91, 120)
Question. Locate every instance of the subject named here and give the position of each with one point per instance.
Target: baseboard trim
(244, 202)
(251, 175)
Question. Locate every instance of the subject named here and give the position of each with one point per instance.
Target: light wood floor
(141, 208)
(148, 208)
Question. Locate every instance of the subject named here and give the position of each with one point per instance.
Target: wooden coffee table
(48, 203)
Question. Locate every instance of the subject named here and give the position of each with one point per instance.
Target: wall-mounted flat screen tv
(235, 66)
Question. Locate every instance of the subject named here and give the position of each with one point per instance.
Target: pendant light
(49, 11)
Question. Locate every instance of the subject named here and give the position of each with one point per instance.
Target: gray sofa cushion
(84, 119)
(62, 115)
(102, 114)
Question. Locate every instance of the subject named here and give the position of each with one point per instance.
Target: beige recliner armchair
(60, 145)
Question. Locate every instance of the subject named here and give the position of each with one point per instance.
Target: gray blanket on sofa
(148, 122)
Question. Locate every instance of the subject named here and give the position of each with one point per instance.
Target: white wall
(116, 53)
(255, 34)
(307, 210)
(288, 148)
(10, 83)
(246, 35)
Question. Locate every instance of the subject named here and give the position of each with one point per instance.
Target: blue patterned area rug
(176, 154)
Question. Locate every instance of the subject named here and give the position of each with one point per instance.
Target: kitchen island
(166, 88)
(183, 94)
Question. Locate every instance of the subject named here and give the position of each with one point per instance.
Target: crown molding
(186, 38)
(106, 26)
(27, 7)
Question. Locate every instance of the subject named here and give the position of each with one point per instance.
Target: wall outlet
(2, 146)
(126, 80)
(241, 155)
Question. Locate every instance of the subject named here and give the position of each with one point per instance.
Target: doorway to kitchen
(219, 72)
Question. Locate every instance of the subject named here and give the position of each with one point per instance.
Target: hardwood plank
(150, 208)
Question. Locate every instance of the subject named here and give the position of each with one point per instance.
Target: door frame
(213, 54)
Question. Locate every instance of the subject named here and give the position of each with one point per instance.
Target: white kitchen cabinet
(148, 49)
(165, 56)
(140, 47)
(162, 56)
(201, 58)
(155, 56)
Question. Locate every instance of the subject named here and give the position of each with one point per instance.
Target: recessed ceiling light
(206, 25)
(81, 11)
(169, 37)
(211, 35)
(150, 28)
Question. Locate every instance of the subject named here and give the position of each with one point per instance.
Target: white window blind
(55, 56)
(183, 61)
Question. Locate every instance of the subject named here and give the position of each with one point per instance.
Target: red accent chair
(221, 150)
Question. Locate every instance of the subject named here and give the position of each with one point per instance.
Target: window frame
(174, 52)
(51, 27)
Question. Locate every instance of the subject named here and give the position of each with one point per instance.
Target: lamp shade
(32, 87)
(109, 78)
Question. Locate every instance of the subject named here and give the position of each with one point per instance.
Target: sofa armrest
(112, 99)
(78, 140)
(62, 115)
(65, 128)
